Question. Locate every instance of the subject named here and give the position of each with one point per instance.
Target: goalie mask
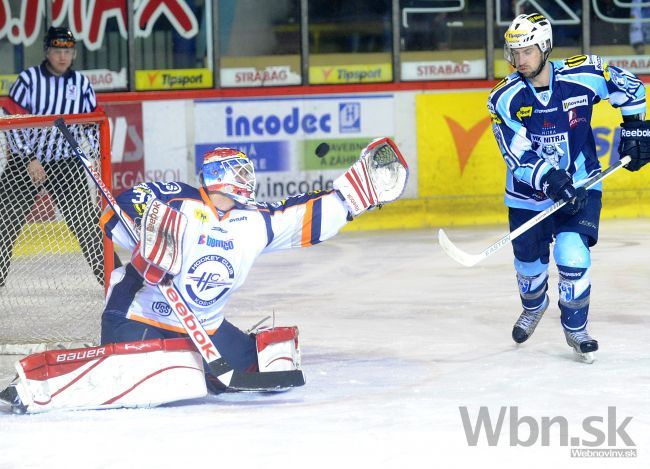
(529, 30)
(230, 173)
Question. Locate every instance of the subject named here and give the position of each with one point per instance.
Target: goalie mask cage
(51, 282)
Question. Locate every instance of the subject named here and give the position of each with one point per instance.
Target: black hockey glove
(635, 141)
(558, 186)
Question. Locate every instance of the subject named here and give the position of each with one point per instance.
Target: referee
(40, 161)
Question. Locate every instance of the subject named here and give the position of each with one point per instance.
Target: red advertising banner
(127, 145)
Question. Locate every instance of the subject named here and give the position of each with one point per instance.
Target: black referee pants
(67, 184)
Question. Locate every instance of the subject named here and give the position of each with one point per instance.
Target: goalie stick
(233, 379)
(470, 260)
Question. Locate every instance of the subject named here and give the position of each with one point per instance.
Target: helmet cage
(528, 30)
(233, 176)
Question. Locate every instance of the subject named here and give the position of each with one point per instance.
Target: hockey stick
(469, 260)
(218, 366)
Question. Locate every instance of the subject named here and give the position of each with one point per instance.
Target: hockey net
(54, 260)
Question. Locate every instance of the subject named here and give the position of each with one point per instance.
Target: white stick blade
(456, 254)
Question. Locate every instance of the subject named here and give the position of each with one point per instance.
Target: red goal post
(54, 260)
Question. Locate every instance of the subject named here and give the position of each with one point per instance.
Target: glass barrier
(620, 33)
(259, 43)
(442, 40)
(173, 46)
(350, 42)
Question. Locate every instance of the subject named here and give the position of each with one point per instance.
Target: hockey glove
(378, 177)
(635, 142)
(558, 186)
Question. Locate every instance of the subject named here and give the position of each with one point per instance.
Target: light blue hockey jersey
(540, 130)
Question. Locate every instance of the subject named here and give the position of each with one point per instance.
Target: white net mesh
(51, 246)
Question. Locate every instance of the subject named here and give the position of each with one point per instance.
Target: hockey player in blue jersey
(541, 119)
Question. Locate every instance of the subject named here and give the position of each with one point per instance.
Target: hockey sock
(574, 287)
(532, 280)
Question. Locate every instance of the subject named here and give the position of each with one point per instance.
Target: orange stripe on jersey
(162, 325)
(106, 216)
(208, 202)
(306, 224)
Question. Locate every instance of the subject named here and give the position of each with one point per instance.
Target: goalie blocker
(132, 374)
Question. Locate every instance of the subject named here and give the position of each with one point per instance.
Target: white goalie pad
(132, 374)
(278, 349)
(378, 177)
(161, 236)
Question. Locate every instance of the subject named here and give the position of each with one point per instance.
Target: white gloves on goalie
(161, 239)
(378, 177)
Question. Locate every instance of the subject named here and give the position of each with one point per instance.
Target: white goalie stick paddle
(469, 260)
(233, 379)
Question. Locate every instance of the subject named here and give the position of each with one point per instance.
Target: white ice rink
(396, 337)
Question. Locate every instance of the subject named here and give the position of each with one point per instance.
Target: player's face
(60, 59)
(527, 60)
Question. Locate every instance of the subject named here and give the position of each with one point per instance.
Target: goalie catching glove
(378, 177)
(635, 142)
(158, 253)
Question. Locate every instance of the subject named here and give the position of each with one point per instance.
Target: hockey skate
(583, 345)
(527, 322)
(10, 401)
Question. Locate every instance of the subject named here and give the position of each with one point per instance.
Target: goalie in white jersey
(204, 240)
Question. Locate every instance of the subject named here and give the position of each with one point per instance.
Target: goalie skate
(582, 344)
(10, 401)
(527, 322)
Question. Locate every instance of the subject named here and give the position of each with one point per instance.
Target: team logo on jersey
(576, 60)
(570, 103)
(226, 245)
(524, 111)
(210, 277)
(71, 91)
(552, 148)
(167, 187)
(161, 308)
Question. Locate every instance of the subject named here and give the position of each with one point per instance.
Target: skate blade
(588, 357)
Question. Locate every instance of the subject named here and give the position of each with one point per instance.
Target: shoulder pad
(513, 77)
(579, 61)
(168, 190)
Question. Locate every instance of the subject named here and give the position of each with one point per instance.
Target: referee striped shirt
(39, 92)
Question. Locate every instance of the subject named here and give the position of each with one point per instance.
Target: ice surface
(396, 337)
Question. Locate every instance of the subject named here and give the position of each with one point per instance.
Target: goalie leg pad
(278, 349)
(132, 374)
